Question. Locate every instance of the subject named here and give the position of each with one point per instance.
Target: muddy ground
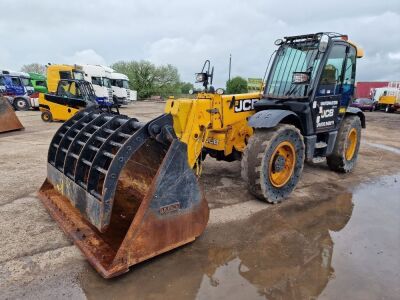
(336, 237)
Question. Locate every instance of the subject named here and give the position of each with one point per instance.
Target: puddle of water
(342, 246)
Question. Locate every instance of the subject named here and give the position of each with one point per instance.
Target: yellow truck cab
(57, 72)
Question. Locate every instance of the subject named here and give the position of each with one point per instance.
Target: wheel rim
(46, 117)
(351, 144)
(21, 104)
(281, 164)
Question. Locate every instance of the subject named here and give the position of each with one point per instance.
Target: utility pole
(230, 66)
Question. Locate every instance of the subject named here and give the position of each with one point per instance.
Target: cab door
(330, 90)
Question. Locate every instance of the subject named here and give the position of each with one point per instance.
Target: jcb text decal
(244, 105)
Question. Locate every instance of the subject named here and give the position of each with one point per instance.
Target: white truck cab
(120, 87)
(97, 76)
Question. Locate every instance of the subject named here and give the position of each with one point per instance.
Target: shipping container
(365, 89)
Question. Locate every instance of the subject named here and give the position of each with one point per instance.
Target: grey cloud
(184, 33)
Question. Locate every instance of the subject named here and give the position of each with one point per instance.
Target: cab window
(332, 74)
(96, 81)
(68, 89)
(15, 81)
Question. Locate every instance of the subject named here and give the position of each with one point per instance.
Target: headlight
(201, 77)
(220, 91)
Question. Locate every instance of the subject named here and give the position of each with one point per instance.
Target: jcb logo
(245, 105)
(327, 113)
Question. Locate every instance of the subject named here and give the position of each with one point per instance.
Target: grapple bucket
(122, 190)
(8, 119)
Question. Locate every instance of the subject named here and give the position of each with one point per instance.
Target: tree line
(149, 79)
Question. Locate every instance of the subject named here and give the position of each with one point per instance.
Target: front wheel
(345, 152)
(47, 116)
(273, 161)
(21, 104)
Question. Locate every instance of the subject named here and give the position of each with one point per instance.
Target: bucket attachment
(122, 190)
(8, 119)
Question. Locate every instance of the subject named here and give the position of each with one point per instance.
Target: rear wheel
(388, 109)
(47, 116)
(21, 104)
(345, 152)
(273, 161)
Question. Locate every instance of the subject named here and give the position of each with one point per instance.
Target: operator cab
(313, 76)
(75, 93)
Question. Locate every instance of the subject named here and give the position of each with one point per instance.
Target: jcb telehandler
(126, 191)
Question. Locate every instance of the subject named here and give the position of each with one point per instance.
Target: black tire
(47, 116)
(21, 104)
(389, 109)
(338, 161)
(257, 159)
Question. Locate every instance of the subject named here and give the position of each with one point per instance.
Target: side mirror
(323, 43)
(301, 77)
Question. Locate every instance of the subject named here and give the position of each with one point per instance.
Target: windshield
(125, 84)
(78, 75)
(26, 81)
(41, 83)
(290, 58)
(106, 82)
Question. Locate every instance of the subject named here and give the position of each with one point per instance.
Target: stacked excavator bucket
(122, 190)
(8, 119)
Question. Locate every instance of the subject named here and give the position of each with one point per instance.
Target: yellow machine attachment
(8, 119)
(126, 191)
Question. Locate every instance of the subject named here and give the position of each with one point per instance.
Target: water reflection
(284, 252)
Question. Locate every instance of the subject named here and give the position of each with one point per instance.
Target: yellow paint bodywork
(53, 75)
(59, 112)
(212, 121)
(389, 100)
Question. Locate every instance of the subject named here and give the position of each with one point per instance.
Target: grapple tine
(123, 191)
(8, 119)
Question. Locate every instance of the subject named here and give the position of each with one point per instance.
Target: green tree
(148, 79)
(237, 85)
(186, 87)
(34, 68)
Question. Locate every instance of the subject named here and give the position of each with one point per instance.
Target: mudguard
(358, 112)
(269, 118)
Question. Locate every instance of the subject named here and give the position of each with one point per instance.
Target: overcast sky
(185, 33)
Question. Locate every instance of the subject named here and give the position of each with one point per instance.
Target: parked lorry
(100, 79)
(120, 88)
(12, 86)
(38, 82)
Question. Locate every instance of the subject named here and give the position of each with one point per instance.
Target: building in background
(365, 89)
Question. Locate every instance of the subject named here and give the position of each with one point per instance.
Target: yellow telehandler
(125, 191)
